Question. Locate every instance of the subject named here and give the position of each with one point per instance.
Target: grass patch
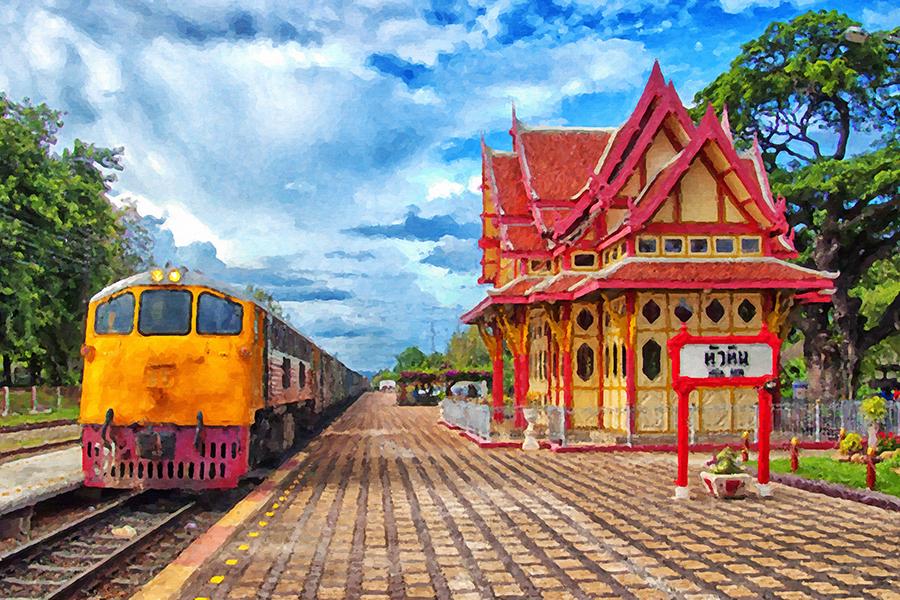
(852, 475)
(66, 412)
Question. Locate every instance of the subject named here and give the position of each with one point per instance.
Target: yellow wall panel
(699, 201)
(659, 153)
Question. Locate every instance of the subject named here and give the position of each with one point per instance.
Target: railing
(808, 421)
(469, 416)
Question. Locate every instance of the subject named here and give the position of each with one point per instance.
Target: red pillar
(497, 376)
(681, 481)
(520, 364)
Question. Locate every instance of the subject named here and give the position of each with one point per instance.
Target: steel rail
(90, 574)
(7, 559)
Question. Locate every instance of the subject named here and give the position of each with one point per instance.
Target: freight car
(190, 384)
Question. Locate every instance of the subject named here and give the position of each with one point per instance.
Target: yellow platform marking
(217, 579)
(270, 514)
(276, 505)
(263, 523)
(244, 547)
(231, 562)
(253, 534)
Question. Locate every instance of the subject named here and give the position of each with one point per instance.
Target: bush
(887, 442)
(874, 409)
(851, 444)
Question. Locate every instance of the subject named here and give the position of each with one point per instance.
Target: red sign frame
(683, 386)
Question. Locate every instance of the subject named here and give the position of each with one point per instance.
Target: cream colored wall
(615, 396)
(719, 410)
(659, 153)
(699, 198)
(585, 391)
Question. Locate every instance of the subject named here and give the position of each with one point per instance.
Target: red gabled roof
(523, 238)
(511, 196)
(558, 162)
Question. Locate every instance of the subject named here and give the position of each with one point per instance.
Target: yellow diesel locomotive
(190, 384)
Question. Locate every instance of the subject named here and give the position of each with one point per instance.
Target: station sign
(726, 360)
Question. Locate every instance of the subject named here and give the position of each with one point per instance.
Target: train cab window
(115, 315)
(165, 312)
(217, 315)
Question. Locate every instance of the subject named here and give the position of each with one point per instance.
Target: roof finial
(656, 76)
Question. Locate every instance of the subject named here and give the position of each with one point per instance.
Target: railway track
(72, 558)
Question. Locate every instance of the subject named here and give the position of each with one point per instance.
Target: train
(191, 384)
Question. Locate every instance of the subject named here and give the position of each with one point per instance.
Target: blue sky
(328, 151)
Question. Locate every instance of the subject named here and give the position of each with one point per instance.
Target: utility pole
(433, 349)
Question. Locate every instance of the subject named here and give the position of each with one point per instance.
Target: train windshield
(115, 315)
(165, 312)
(217, 315)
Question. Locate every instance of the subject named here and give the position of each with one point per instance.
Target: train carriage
(190, 384)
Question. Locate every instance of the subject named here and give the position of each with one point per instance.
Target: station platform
(386, 503)
(26, 481)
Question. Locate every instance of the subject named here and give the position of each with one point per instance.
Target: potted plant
(850, 449)
(873, 409)
(725, 477)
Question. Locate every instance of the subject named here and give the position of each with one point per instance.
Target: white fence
(808, 421)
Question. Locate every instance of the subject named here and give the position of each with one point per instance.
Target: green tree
(465, 350)
(267, 300)
(60, 238)
(410, 359)
(803, 90)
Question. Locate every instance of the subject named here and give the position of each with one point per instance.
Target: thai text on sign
(726, 360)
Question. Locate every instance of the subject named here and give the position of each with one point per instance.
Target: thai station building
(599, 244)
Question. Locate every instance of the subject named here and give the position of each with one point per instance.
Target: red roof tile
(525, 238)
(561, 283)
(508, 177)
(518, 287)
(754, 274)
(560, 161)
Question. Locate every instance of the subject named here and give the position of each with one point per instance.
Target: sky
(328, 151)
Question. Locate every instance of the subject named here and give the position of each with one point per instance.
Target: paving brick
(393, 505)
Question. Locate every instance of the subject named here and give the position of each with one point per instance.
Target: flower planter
(726, 486)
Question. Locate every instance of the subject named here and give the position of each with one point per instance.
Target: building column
(493, 341)
(630, 367)
(561, 325)
(515, 331)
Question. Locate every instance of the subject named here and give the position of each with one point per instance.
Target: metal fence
(808, 421)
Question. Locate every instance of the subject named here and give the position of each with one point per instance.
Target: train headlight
(88, 352)
(174, 275)
(156, 275)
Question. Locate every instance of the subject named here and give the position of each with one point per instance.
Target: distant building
(600, 243)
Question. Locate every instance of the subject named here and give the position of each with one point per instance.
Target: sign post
(724, 361)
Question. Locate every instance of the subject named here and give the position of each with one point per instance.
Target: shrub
(887, 442)
(726, 463)
(874, 409)
(851, 444)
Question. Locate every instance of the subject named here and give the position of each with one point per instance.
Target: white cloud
(883, 17)
(738, 6)
(444, 189)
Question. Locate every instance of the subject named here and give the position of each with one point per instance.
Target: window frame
(679, 238)
(726, 238)
(699, 239)
(755, 238)
(220, 297)
(656, 246)
(592, 267)
(190, 320)
(134, 306)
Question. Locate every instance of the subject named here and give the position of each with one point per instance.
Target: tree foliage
(60, 237)
(810, 96)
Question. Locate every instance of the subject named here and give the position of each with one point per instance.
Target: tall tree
(60, 237)
(410, 359)
(811, 93)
